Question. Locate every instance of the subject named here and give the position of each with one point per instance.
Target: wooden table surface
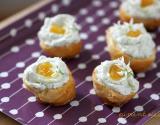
(5, 120)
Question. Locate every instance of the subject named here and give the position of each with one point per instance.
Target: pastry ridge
(148, 23)
(67, 51)
(137, 64)
(108, 95)
(55, 96)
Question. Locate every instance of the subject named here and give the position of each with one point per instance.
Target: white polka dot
(28, 23)
(13, 32)
(57, 116)
(97, 3)
(13, 111)
(155, 96)
(105, 21)
(101, 120)
(32, 99)
(66, 2)
(20, 64)
(158, 74)
(5, 86)
(30, 41)
(20, 75)
(88, 78)
(5, 99)
(15, 49)
(106, 48)
(41, 15)
(3, 74)
(24, 86)
(83, 11)
(141, 75)
(100, 13)
(83, 36)
(92, 91)
(93, 28)
(122, 120)
(154, 65)
(101, 38)
(136, 96)
(158, 48)
(54, 8)
(116, 13)
(113, 4)
(77, 56)
(88, 46)
(39, 114)
(89, 19)
(116, 109)
(1, 110)
(147, 85)
(81, 66)
(74, 103)
(138, 108)
(95, 57)
(98, 108)
(82, 119)
(36, 54)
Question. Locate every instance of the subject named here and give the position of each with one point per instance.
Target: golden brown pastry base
(56, 96)
(67, 51)
(137, 64)
(148, 23)
(109, 96)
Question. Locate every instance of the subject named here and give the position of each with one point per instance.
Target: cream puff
(144, 11)
(50, 80)
(114, 82)
(59, 36)
(134, 43)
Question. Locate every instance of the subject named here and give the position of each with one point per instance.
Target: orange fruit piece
(44, 69)
(133, 33)
(114, 72)
(57, 29)
(145, 3)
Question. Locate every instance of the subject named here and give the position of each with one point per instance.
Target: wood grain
(23, 13)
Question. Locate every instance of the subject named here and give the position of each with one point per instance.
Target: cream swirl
(125, 85)
(66, 21)
(134, 9)
(141, 46)
(58, 67)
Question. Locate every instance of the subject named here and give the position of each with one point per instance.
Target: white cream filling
(52, 39)
(41, 82)
(134, 9)
(138, 47)
(124, 86)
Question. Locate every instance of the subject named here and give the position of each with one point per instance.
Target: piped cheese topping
(59, 31)
(117, 76)
(142, 8)
(47, 73)
(133, 39)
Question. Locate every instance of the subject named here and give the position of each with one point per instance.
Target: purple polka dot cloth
(19, 47)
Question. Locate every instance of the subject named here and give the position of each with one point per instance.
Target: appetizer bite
(114, 82)
(134, 43)
(144, 11)
(59, 36)
(50, 80)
